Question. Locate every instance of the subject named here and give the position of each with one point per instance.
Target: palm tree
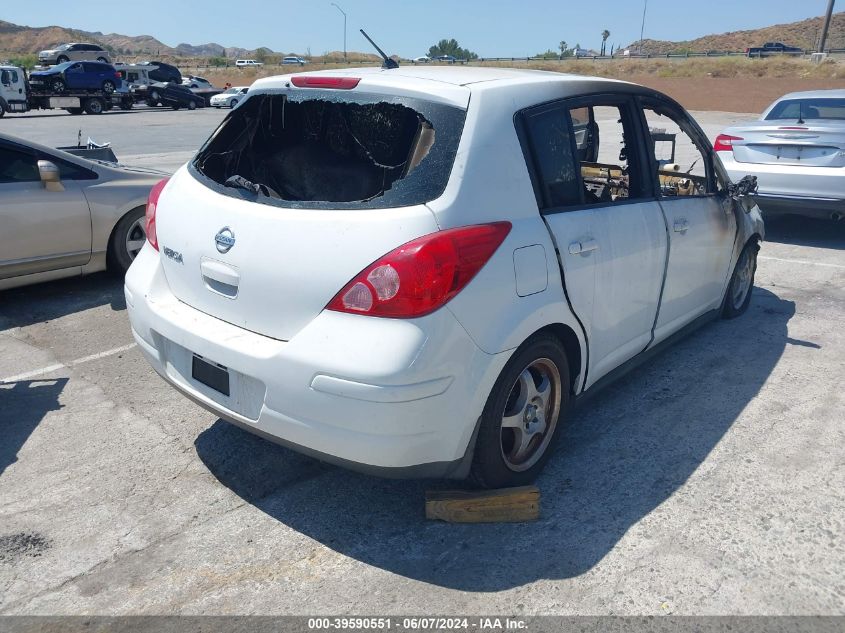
(604, 35)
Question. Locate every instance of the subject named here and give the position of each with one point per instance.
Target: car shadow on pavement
(801, 231)
(45, 302)
(23, 405)
(623, 454)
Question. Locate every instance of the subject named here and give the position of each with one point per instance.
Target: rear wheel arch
(571, 345)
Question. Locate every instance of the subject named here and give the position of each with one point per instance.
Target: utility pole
(826, 26)
(344, 29)
(642, 26)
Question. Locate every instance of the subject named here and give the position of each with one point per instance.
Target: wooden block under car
(507, 505)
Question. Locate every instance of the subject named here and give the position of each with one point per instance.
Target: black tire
(2, 109)
(738, 294)
(57, 85)
(192, 105)
(233, 103)
(94, 106)
(108, 86)
(126, 104)
(496, 462)
(61, 59)
(75, 111)
(176, 106)
(119, 257)
(102, 60)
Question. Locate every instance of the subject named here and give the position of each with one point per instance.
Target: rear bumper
(821, 208)
(790, 189)
(391, 397)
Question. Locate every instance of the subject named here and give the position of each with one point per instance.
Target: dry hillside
(28, 40)
(804, 34)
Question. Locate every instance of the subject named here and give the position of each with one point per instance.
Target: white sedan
(229, 98)
(797, 152)
(415, 272)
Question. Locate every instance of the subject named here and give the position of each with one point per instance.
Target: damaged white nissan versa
(415, 272)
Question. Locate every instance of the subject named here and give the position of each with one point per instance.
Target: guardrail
(482, 60)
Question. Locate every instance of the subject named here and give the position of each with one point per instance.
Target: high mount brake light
(317, 81)
(724, 142)
(150, 214)
(423, 275)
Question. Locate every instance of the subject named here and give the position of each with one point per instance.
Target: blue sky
(491, 28)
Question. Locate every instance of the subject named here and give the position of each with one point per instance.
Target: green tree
(218, 62)
(604, 35)
(451, 47)
(563, 48)
(549, 54)
(263, 54)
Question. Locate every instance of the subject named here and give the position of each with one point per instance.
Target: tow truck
(17, 97)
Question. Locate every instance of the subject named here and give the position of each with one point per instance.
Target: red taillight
(423, 275)
(152, 203)
(318, 81)
(118, 75)
(724, 142)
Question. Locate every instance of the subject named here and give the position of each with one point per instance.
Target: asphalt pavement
(709, 481)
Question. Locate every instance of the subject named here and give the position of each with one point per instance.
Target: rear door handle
(585, 246)
(681, 226)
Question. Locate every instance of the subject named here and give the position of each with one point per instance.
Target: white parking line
(800, 261)
(78, 361)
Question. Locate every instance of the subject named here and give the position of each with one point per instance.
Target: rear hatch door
(270, 261)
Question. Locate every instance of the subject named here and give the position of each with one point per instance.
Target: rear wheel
(738, 294)
(192, 105)
(103, 60)
(94, 106)
(127, 240)
(108, 87)
(522, 414)
(57, 85)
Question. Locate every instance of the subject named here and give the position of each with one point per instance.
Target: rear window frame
(807, 102)
(446, 120)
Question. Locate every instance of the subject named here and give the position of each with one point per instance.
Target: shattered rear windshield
(321, 149)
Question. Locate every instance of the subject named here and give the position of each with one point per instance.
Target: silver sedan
(797, 151)
(62, 215)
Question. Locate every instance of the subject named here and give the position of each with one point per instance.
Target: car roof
(815, 94)
(454, 75)
(451, 84)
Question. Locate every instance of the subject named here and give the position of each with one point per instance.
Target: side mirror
(743, 192)
(50, 175)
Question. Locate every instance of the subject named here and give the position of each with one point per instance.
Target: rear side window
(551, 138)
(808, 109)
(322, 149)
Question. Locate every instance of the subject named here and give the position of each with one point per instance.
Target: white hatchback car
(415, 272)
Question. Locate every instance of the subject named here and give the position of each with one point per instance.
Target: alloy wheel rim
(135, 238)
(745, 273)
(530, 415)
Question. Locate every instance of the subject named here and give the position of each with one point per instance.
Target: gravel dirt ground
(709, 481)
